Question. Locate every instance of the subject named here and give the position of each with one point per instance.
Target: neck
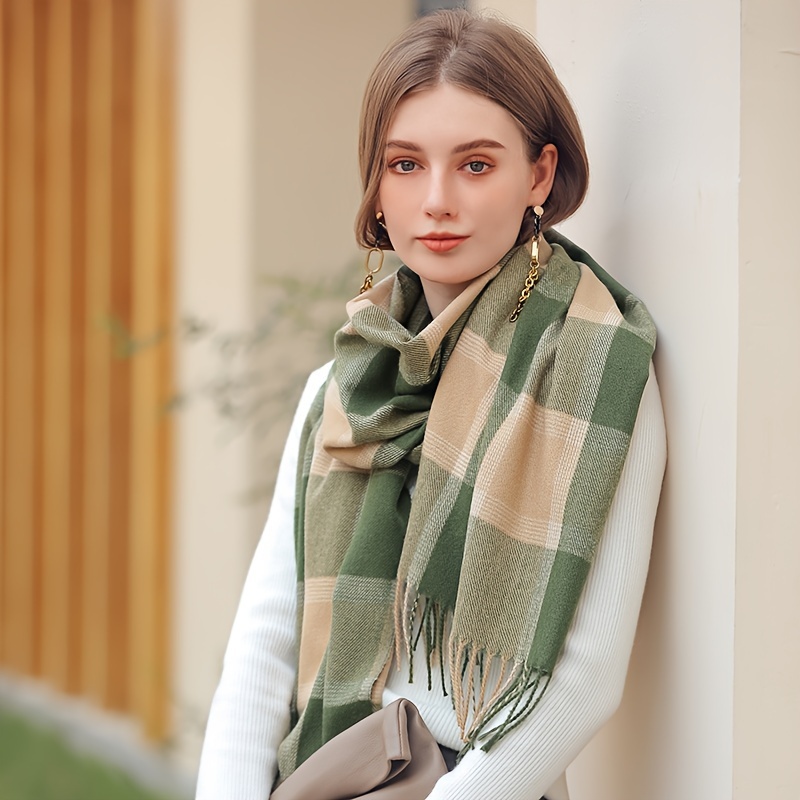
(439, 295)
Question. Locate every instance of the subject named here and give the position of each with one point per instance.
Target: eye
(403, 165)
(476, 167)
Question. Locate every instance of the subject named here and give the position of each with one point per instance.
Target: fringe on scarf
(476, 699)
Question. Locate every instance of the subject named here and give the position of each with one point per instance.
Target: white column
(766, 706)
(656, 86)
(214, 526)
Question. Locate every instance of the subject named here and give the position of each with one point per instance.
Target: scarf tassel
(522, 697)
(427, 624)
(518, 687)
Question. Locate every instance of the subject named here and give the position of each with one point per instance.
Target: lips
(442, 242)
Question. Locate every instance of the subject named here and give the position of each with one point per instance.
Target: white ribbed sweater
(250, 712)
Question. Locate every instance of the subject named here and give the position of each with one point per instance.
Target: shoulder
(651, 411)
(647, 455)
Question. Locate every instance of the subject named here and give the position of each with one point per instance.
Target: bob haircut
(492, 59)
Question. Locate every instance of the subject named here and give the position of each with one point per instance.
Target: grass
(36, 764)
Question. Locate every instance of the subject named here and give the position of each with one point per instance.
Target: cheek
(387, 199)
(504, 197)
(397, 204)
(504, 206)
(501, 215)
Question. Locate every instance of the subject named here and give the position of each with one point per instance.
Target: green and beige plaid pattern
(517, 447)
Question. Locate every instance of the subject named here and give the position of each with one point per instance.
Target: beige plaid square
(535, 446)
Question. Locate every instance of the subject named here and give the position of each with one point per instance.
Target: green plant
(37, 764)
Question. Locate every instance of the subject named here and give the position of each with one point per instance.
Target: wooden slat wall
(94, 665)
(152, 302)
(57, 347)
(21, 623)
(3, 284)
(86, 247)
(122, 121)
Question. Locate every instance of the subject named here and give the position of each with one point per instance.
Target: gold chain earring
(533, 273)
(372, 272)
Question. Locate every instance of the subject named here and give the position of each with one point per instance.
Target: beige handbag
(390, 755)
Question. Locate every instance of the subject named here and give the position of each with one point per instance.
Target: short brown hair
(493, 59)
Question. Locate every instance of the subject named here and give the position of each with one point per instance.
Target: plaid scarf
(516, 434)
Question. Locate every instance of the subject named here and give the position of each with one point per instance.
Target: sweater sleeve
(249, 714)
(587, 683)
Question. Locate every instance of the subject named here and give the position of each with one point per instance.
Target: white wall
(520, 12)
(661, 119)
(312, 60)
(213, 526)
(766, 692)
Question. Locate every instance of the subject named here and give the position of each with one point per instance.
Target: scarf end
(519, 700)
(419, 618)
(482, 684)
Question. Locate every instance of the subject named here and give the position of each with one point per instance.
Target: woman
(479, 470)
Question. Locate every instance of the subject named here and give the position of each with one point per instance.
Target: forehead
(455, 115)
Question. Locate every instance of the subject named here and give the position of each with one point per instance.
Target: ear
(544, 173)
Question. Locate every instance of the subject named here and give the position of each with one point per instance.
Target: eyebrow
(476, 144)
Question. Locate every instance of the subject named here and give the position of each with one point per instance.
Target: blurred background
(178, 183)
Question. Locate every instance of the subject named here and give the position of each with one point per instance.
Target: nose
(439, 201)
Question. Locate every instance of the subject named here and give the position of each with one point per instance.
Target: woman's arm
(250, 712)
(587, 684)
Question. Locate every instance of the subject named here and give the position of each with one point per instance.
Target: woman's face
(456, 185)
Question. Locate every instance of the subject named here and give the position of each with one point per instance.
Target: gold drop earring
(533, 273)
(375, 249)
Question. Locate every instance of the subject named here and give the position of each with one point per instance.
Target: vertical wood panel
(122, 33)
(80, 79)
(19, 585)
(97, 432)
(158, 722)
(151, 310)
(85, 258)
(3, 298)
(40, 139)
(56, 424)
